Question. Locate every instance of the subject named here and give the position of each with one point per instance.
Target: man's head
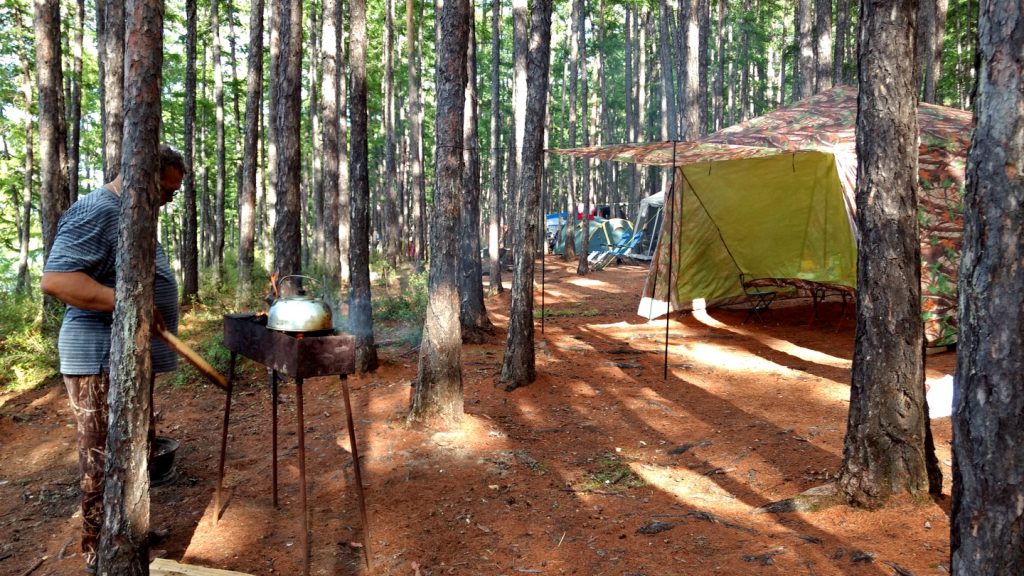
(172, 171)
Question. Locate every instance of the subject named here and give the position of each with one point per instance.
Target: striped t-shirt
(87, 242)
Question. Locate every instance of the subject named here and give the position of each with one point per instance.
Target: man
(80, 272)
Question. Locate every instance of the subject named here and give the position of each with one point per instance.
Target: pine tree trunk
(221, 177)
(572, 71)
(123, 547)
(633, 189)
(839, 50)
(494, 225)
(112, 54)
(344, 203)
(691, 72)
(704, 63)
(75, 105)
(931, 29)
(288, 107)
(437, 398)
(823, 45)
(250, 156)
(329, 50)
(417, 181)
(391, 233)
(53, 193)
(580, 16)
(360, 315)
(273, 139)
(518, 367)
(25, 224)
(669, 121)
(803, 85)
(520, 32)
(190, 225)
(723, 14)
(989, 394)
(472, 313)
(886, 450)
(313, 186)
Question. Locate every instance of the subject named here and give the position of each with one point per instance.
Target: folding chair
(760, 299)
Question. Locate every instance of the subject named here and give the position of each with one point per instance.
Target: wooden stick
(189, 354)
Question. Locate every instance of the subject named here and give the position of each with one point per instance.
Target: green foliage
(28, 357)
(575, 310)
(408, 306)
(611, 473)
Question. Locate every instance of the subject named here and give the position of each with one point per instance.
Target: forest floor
(601, 466)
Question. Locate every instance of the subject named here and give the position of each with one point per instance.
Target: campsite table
(818, 291)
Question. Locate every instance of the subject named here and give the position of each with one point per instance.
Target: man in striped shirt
(81, 272)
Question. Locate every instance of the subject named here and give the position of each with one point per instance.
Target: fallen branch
(33, 567)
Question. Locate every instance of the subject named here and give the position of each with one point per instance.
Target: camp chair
(760, 299)
(617, 251)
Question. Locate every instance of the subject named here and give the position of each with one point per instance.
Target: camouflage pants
(88, 398)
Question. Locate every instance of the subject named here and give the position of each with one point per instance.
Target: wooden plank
(164, 567)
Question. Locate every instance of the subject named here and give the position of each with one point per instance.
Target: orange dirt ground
(601, 466)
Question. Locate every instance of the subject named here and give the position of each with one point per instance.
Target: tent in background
(773, 197)
(648, 221)
(604, 235)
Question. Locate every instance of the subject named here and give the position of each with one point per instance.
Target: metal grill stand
(298, 357)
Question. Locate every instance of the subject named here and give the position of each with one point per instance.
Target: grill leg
(273, 431)
(302, 477)
(356, 472)
(224, 437)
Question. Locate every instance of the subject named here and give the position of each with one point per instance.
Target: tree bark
(329, 50)
(437, 396)
(723, 14)
(53, 194)
(75, 106)
(112, 54)
(931, 33)
(25, 224)
(494, 225)
(823, 45)
(417, 181)
(472, 311)
(220, 181)
(989, 393)
(360, 315)
(391, 233)
(250, 156)
(518, 366)
(344, 204)
(886, 448)
(803, 85)
(123, 545)
(190, 225)
(288, 229)
(580, 16)
(839, 49)
(691, 72)
(520, 33)
(670, 122)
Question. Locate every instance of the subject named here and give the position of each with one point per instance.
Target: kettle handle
(283, 278)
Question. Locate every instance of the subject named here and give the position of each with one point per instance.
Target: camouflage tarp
(823, 123)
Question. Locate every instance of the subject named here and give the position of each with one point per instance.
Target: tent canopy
(774, 197)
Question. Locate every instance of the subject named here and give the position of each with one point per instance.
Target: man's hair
(171, 158)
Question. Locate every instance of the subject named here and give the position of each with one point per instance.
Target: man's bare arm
(78, 289)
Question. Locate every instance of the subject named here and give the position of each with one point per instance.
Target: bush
(408, 306)
(28, 357)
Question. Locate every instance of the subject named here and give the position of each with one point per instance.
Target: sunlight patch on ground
(783, 346)
(688, 486)
(592, 283)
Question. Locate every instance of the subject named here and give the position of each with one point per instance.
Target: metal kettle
(300, 312)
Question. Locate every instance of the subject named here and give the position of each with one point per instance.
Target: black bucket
(161, 463)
